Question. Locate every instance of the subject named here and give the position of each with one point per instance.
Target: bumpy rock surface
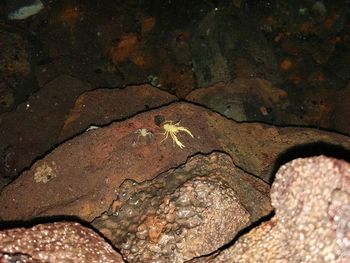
(311, 224)
(56, 242)
(184, 213)
(18, 258)
(83, 173)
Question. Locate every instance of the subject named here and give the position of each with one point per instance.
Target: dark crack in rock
(311, 224)
(56, 242)
(184, 213)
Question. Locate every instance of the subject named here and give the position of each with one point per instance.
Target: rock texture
(312, 201)
(16, 66)
(222, 57)
(56, 242)
(102, 106)
(341, 115)
(245, 99)
(18, 258)
(255, 99)
(32, 129)
(83, 173)
(184, 213)
(62, 109)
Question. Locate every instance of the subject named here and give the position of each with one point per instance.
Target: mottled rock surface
(341, 115)
(18, 258)
(83, 173)
(16, 66)
(244, 99)
(57, 112)
(184, 213)
(312, 201)
(222, 57)
(32, 129)
(56, 242)
(101, 106)
(255, 99)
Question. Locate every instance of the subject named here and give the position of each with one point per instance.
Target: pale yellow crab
(172, 129)
(143, 132)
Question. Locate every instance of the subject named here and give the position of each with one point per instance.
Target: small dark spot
(159, 119)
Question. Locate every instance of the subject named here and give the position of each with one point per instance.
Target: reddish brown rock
(254, 99)
(36, 125)
(16, 66)
(100, 107)
(312, 201)
(341, 115)
(222, 57)
(33, 128)
(184, 213)
(83, 173)
(243, 99)
(56, 242)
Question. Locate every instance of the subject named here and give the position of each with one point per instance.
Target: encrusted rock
(18, 258)
(311, 224)
(184, 213)
(57, 242)
(91, 166)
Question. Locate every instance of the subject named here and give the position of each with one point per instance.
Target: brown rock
(32, 129)
(242, 99)
(85, 171)
(222, 57)
(36, 125)
(16, 67)
(254, 99)
(18, 258)
(312, 201)
(341, 115)
(184, 213)
(100, 107)
(56, 242)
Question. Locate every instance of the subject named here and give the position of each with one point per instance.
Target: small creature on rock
(143, 132)
(172, 129)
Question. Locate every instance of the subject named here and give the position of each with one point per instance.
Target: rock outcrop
(311, 198)
(64, 242)
(184, 213)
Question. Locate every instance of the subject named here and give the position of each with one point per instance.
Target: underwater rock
(243, 99)
(16, 67)
(341, 115)
(312, 201)
(117, 104)
(186, 212)
(220, 57)
(55, 242)
(87, 169)
(63, 108)
(33, 128)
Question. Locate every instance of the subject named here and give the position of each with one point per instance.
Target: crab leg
(176, 140)
(185, 130)
(166, 136)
